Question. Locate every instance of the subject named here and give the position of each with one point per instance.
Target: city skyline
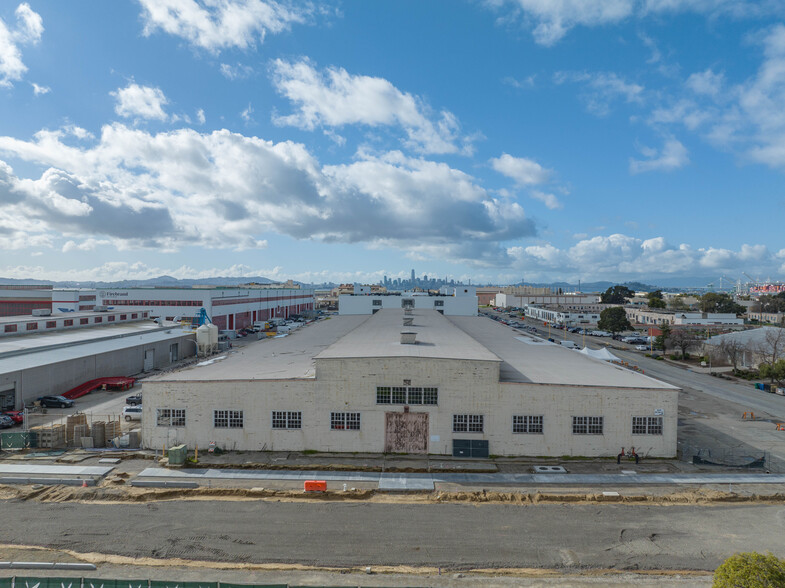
(623, 141)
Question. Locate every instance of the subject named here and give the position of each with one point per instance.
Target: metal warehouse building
(55, 356)
(461, 385)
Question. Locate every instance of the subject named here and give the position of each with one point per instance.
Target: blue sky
(344, 141)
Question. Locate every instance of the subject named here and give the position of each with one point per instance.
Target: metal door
(173, 353)
(8, 399)
(149, 360)
(406, 432)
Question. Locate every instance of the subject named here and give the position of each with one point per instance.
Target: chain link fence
(727, 457)
(43, 430)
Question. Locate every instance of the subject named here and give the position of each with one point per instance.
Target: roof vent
(408, 338)
(408, 321)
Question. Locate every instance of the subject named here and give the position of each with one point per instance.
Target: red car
(16, 415)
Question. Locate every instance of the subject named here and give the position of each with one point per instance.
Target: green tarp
(28, 582)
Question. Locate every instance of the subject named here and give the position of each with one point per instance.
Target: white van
(568, 344)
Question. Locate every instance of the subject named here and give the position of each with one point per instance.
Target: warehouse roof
(47, 355)
(284, 358)
(530, 359)
(436, 336)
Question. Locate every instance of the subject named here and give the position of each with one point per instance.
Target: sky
(496, 140)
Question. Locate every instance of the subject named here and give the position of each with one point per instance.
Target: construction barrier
(315, 486)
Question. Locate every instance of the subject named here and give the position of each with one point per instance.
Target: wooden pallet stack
(73, 421)
(113, 429)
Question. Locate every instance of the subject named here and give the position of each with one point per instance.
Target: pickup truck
(134, 400)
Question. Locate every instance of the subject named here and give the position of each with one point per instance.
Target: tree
(773, 345)
(614, 319)
(750, 570)
(656, 300)
(661, 342)
(733, 349)
(678, 303)
(616, 295)
(714, 302)
(774, 371)
(682, 339)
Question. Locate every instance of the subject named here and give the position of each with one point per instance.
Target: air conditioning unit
(100, 308)
(42, 312)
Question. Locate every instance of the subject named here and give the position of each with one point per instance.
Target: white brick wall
(465, 387)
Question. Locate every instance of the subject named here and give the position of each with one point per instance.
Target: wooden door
(406, 432)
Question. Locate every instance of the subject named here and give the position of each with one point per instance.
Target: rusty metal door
(406, 432)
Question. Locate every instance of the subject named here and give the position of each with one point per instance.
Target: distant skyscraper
(412, 275)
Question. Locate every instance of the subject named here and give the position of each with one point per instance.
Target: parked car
(16, 415)
(6, 421)
(132, 413)
(56, 402)
(134, 400)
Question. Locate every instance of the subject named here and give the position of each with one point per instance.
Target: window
(382, 395)
(406, 395)
(376, 303)
(171, 417)
(340, 421)
(32, 326)
(438, 302)
(398, 395)
(134, 315)
(83, 321)
(527, 424)
(51, 324)
(587, 425)
(68, 323)
(287, 419)
(110, 318)
(123, 317)
(646, 425)
(10, 329)
(430, 396)
(99, 319)
(467, 423)
(228, 419)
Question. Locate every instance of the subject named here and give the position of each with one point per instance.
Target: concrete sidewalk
(428, 481)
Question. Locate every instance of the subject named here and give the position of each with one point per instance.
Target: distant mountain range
(170, 282)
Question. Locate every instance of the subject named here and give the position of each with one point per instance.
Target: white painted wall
(465, 387)
(451, 305)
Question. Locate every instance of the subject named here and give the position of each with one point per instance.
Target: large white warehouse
(466, 386)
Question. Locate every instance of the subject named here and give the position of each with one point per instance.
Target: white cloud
(747, 117)
(619, 256)
(135, 101)
(601, 89)
(551, 20)
(40, 90)
(706, 82)
(335, 98)
(247, 114)
(215, 25)
(236, 72)
(672, 156)
(550, 200)
(200, 116)
(524, 172)
(28, 31)
(226, 190)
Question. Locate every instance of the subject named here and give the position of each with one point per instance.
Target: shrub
(750, 570)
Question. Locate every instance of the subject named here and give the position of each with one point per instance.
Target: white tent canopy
(602, 354)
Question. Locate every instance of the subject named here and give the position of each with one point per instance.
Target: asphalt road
(447, 535)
